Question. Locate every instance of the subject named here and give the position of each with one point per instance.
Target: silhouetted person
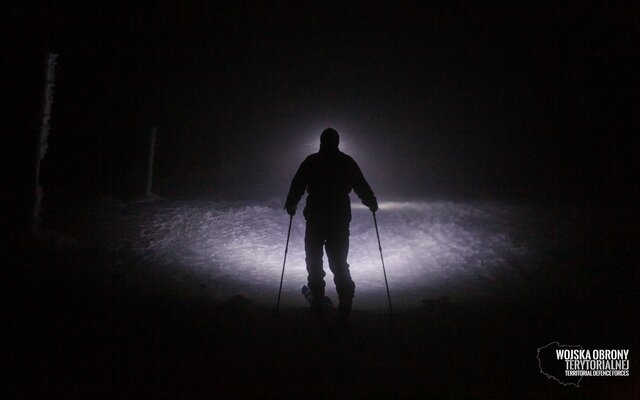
(328, 176)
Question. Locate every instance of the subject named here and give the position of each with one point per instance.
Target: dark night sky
(448, 99)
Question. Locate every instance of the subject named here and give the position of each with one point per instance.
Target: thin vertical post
(41, 151)
(152, 145)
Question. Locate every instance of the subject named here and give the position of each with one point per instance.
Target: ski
(306, 292)
(340, 333)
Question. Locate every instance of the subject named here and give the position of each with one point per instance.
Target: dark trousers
(334, 237)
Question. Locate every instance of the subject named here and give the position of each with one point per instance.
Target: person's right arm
(362, 188)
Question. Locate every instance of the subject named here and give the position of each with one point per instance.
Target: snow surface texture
(460, 250)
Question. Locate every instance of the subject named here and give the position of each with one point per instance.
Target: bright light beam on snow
(430, 248)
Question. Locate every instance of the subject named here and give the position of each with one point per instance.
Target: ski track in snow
(431, 249)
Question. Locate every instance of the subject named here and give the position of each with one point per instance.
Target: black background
(433, 100)
(456, 99)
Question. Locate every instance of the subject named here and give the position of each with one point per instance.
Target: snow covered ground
(140, 301)
(432, 249)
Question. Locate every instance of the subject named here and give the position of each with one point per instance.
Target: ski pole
(286, 249)
(375, 222)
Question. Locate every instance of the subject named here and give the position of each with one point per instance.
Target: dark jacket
(328, 177)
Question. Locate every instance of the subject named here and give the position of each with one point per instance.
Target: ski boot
(343, 314)
(315, 301)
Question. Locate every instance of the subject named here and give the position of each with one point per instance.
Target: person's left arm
(298, 186)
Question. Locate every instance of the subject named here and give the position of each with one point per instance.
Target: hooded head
(329, 140)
